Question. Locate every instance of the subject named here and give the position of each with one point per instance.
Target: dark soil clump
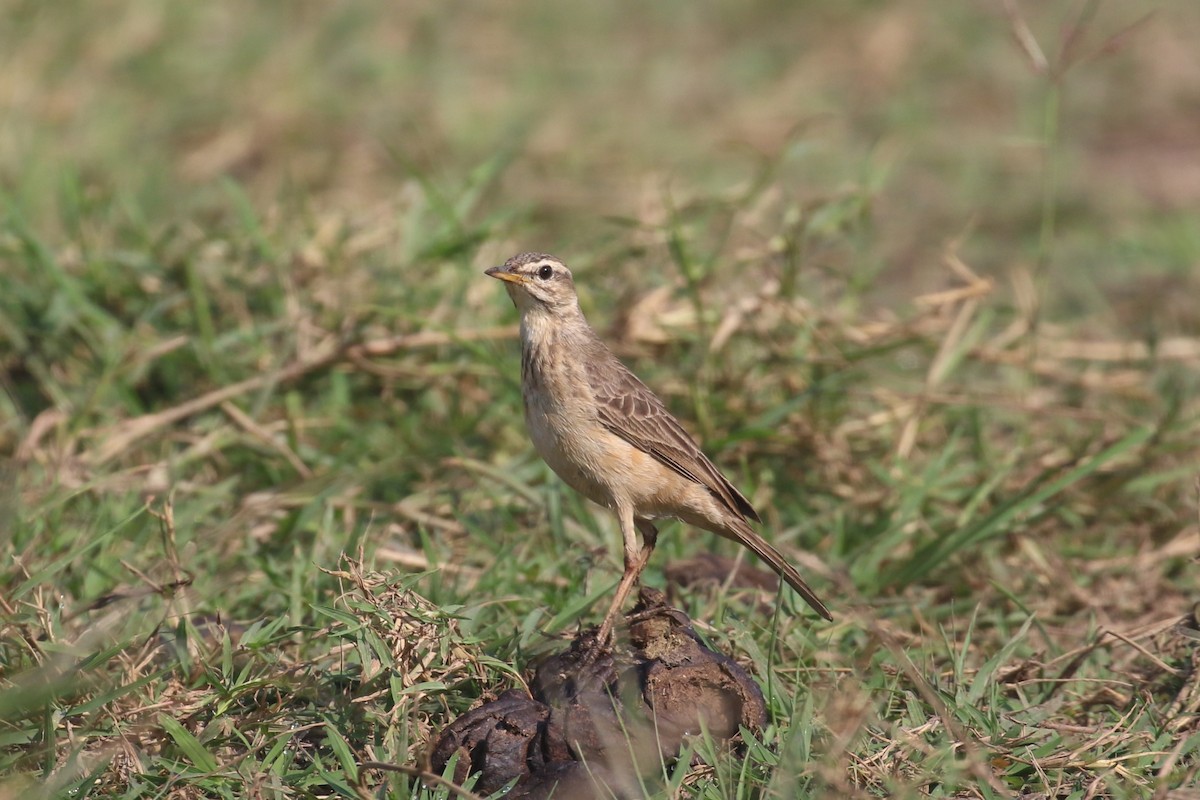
(602, 723)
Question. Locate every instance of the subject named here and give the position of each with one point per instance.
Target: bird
(610, 438)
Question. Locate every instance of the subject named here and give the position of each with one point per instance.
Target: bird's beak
(502, 273)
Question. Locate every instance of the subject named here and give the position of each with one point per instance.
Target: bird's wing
(628, 408)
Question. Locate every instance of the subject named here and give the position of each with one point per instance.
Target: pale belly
(577, 459)
(608, 470)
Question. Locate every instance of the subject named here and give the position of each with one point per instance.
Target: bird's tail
(763, 549)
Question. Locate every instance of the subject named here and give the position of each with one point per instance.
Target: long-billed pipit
(610, 438)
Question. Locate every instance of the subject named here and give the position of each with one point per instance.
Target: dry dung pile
(597, 721)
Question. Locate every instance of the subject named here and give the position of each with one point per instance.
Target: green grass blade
(192, 749)
(939, 551)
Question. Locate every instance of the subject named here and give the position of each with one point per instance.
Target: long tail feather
(763, 549)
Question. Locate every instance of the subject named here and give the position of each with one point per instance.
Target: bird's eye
(546, 272)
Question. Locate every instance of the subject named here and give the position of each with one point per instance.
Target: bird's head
(536, 281)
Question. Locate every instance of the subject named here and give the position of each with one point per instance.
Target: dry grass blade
(260, 433)
(968, 299)
(1176, 348)
(1025, 39)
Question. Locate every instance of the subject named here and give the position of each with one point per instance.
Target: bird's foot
(601, 643)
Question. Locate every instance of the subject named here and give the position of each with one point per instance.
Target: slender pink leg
(636, 559)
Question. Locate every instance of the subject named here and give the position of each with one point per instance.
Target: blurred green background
(603, 109)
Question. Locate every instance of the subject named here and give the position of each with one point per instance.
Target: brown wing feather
(628, 408)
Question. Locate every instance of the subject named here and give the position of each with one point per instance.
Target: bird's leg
(636, 558)
(649, 539)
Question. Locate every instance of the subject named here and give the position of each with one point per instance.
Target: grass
(269, 511)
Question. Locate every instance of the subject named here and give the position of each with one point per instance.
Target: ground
(920, 276)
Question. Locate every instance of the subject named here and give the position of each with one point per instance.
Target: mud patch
(599, 724)
(711, 570)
